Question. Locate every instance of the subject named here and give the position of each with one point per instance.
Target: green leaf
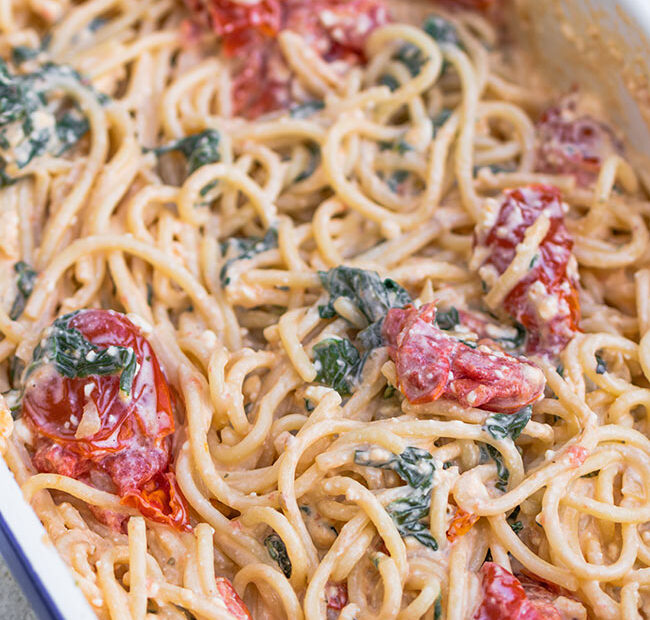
(508, 425)
(75, 357)
(415, 467)
(440, 119)
(515, 341)
(241, 248)
(199, 149)
(307, 109)
(441, 30)
(390, 81)
(412, 57)
(26, 277)
(447, 320)
(337, 362)
(437, 608)
(278, 552)
(367, 291)
(601, 365)
(70, 128)
(314, 161)
(516, 526)
(22, 53)
(398, 146)
(490, 452)
(396, 179)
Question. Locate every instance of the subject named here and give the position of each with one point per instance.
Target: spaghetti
(321, 310)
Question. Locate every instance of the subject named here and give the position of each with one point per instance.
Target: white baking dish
(602, 45)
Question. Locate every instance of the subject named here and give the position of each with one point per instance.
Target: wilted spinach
(415, 467)
(508, 425)
(490, 452)
(314, 161)
(338, 364)
(278, 552)
(447, 320)
(25, 278)
(199, 149)
(241, 248)
(307, 109)
(75, 357)
(601, 365)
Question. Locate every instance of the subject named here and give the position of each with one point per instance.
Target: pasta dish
(319, 309)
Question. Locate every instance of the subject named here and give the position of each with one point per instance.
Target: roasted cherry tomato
(431, 364)
(573, 143)
(87, 428)
(461, 524)
(336, 29)
(231, 600)
(545, 300)
(504, 598)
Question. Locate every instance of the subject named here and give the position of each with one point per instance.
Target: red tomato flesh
(573, 143)
(130, 453)
(336, 595)
(231, 600)
(431, 364)
(336, 29)
(504, 598)
(554, 270)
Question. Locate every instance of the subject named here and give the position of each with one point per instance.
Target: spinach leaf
(490, 452)
(70, 128)
(314, 161)
(22, 53)
(390, 81)
(373, 296)
(398, 146)
(441, 30)
(75, 357)
(502, 425)
(338, 364)
(307, 109)
(415, 467)
(411, 57)
(30, 124)
(440, 119)
(437, 608)
(16, 369)
(516, 526)
(199, 149)
(241, 248)
(396, 179)
(447, 320)
(278, 552)
(601, 365)
(26, 277)
(516, 341)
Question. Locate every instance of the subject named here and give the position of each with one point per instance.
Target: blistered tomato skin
(504, 598)
(431, 364)
(130, 451)
(231, 600)
(573, 143)
(545, 301)
(335, 29)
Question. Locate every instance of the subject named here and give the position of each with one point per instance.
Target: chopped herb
(390, 81)
(591, 474)
(75, 357)
(308, 405)
(242, 248)
(70, 128)
(389, 392)
(468, 343)
(199, 149)
(447, 465)
(601, 365)
(447, 320)
(560, 370)
(508, 425)
(97, 23)
(278, 552)
(149, 294)
(26, 277)
(307, 109)
(208, 187)
(338, 364)
(306, 510)
(490, 452)
(314, 161)
(415, 467)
